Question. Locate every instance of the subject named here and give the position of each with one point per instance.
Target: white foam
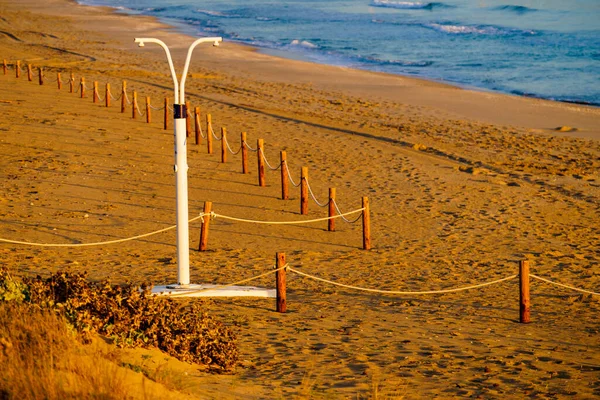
(303, 43)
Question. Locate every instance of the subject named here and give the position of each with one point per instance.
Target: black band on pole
(179, 111)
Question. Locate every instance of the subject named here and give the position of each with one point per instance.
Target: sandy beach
(462, 186)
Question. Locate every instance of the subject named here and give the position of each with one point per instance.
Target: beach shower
(181, 166)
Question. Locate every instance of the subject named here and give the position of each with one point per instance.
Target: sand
(462, 186)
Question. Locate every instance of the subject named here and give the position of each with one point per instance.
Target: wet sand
(462, 186)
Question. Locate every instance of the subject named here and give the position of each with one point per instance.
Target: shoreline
(440, 98)
(298, 56)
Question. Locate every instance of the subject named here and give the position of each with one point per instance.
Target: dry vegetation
(47, 327)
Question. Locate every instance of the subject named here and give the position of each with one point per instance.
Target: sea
(540, 48)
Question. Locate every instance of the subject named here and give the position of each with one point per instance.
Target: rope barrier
(213, 134)
(313, 195)
(228, 285)
(227, 144)
(214, 215)
(137, 107)
(97, 243)
(291, 179)
(267, 161)
(113, 97)
(126, 98)
(249, 147)
(342, 214)
(402, 292)
(157, 108)
(564, 286)
(201, 132)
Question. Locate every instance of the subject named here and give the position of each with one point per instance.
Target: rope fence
(235, 153)
(281, 290)
(210, 215)
(564, 286)
(140, 113)
(214, 135)
(320, 204)
(291, 179)
(272, 168)
(126, 97)
(341, 214)
(296, 222)
(402, 292)
(97, 243)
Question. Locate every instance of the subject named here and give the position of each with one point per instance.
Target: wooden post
(71, 82)
(95, 96)
(244, 153)
(197, 124)
(188, 128)
(166, 115)
(18, 69)
(29, 74)
(280, 283)
(209, 137)
(58, 81)
(304, 191)
(261, 162)
(524, 299)
(204, 228)
(123, 97)
(107, 95)
(223, 145)
(41, 75)
(331, 221)
(4, 66)
(82, 86)
(148, 112)
(284, 176)
(134, 105)
(366, 224)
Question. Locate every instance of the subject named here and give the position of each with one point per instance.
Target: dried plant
(129, 315)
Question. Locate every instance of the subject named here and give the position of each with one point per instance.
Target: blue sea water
(541, 48)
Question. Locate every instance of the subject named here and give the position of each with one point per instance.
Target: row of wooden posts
(260, 144)
(524, 298)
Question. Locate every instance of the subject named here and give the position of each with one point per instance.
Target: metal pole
(181, 166)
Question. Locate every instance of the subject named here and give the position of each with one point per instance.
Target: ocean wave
(456, 29)
(399, 63)
(408, 5)
(218, 14)
(303, 43)
(488, 30)
(155, 10)
(515, 9)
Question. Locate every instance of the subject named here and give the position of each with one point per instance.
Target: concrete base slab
(208, 290)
